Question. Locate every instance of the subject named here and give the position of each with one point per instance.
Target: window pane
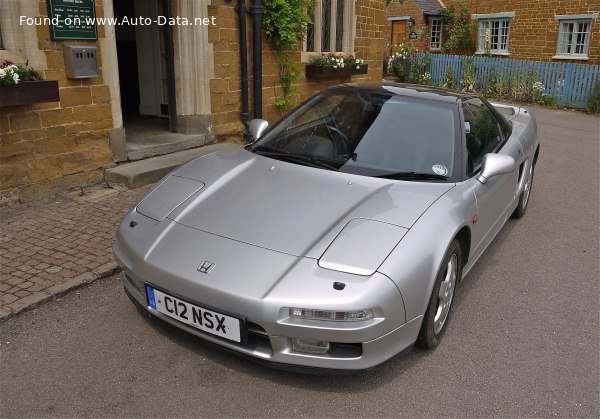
(310, 37)
(339, 26)
(436, 33)
(326, 26)
(483, 135)
(1, 44)
(483, 25)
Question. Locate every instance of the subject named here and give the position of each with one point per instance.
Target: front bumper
(276, 349)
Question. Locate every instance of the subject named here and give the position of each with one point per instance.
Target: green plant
(285, 23)
(469, 72)
(491, 87)
(459, 28)
(335, 60)
(593, 102)
(449, 79)
(410, 62)
(11, 74)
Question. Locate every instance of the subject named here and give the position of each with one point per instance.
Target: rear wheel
(436, 317)
(524, 197)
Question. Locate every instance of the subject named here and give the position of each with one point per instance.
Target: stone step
(144, 172)
(163, 143)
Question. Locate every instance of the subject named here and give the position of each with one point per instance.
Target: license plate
(199, 317)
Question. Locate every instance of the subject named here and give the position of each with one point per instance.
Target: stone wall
(48, 147)
(534, 30)
(226, 86)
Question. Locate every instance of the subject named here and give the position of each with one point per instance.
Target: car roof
(431, 93)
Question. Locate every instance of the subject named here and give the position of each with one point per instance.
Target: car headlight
(312, 314)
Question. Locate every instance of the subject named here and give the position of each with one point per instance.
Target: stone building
(540, 30)
(159, 88)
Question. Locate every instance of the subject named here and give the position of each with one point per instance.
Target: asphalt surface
(523, 339)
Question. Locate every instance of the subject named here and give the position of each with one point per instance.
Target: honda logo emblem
(206, 267)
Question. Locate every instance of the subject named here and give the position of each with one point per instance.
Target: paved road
(523, 341)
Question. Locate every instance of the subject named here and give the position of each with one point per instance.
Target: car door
(496, 198)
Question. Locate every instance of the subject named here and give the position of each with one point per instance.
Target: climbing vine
(459, 28)
(285, 23)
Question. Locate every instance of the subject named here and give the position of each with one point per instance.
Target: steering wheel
(340, 134)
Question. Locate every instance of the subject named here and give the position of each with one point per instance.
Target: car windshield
(365, 132)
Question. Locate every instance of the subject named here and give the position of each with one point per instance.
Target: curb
(58, 290)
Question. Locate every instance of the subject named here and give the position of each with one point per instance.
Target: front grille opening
(346, 350)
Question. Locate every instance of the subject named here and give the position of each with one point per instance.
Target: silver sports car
(338, 237)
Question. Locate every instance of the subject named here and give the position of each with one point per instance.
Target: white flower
(15, 77)
(358, 67)
(2, 72)
(335, 66)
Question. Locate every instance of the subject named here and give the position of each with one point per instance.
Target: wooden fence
(569, 83)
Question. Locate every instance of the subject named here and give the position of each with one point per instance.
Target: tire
(525, 195)
(438, 311)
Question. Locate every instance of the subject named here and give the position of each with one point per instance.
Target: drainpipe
(257, 11)
(242, 11)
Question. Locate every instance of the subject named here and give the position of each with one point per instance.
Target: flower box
(328, 72)
(28, 92)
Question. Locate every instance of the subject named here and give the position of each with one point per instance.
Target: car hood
(281, 206)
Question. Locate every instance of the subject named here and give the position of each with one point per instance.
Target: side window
(482, 131)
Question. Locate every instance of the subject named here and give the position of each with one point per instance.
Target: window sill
(500, 54)
(571, 57)
(305, 56)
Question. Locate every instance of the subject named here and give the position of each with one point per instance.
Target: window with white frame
(436, 34)
(333, 27)
(574, 34)
(493, 35)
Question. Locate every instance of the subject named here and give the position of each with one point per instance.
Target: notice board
(72, 19)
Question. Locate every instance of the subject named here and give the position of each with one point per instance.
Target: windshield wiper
(412, 176)
(297, 158)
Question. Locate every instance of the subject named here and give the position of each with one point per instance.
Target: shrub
(593, 102)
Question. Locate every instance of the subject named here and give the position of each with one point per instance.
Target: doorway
(399, 36)
(143, 76)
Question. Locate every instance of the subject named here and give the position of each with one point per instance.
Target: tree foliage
(459, 28)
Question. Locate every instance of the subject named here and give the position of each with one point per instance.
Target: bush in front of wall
(285, 23)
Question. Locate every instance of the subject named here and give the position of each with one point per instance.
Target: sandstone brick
(75, 96)
(13, 175)
(4, 126)
(92, 113)
(219, 86)
(55, 60)
(21, 149)
(54, 145)
(57, 117)
(44, 169)
(13, 137)
(100, 94)
(33, 134)
(56, 131)
(21, 121)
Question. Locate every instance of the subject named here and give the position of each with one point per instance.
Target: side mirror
(257, 128)
(494, 165)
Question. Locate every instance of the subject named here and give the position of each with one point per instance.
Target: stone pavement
(48, 248)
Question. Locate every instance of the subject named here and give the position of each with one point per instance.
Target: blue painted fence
(569, 83)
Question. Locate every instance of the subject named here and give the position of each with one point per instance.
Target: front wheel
(436, 317)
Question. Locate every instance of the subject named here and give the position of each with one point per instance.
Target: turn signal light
(311, 314)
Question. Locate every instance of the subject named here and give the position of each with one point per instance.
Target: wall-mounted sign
(72, 19)
(413, 35)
